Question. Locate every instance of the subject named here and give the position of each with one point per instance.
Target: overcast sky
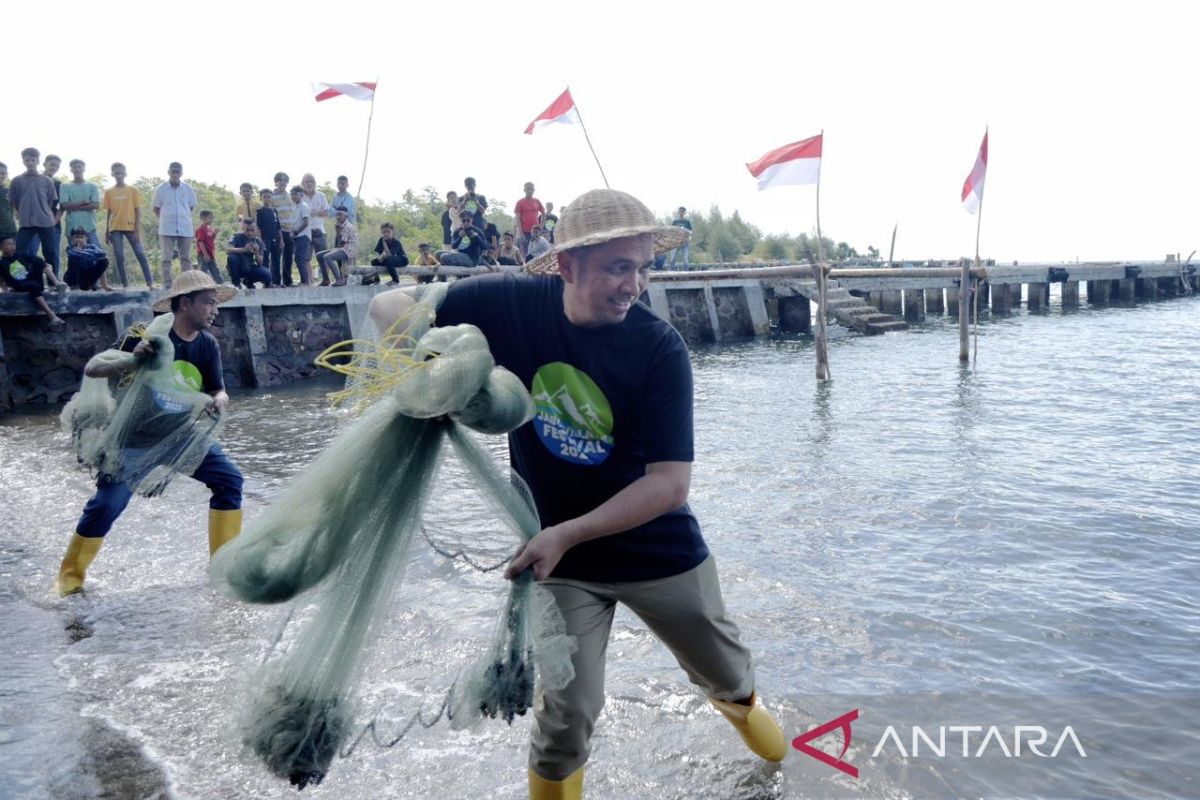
(1092, 108)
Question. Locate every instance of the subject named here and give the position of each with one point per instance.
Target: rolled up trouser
(216, 471)
(684, 611)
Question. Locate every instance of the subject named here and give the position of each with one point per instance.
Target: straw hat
(602, 215)
(193, 280)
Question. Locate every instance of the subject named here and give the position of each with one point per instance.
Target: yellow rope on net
(375, 368)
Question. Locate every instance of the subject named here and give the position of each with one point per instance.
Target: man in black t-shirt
(193, 300)
(607, 458)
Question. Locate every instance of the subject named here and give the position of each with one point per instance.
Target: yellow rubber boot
(569, 788)
(80, 552)
(223, 526)
(759, 730)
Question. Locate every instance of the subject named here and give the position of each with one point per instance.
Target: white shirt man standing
(174, 201)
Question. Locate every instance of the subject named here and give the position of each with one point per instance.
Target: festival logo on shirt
(188, 379)
(573, 418)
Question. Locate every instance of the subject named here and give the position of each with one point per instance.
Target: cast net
(160, 426)
(344, 526)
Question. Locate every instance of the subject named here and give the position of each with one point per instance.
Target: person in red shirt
(206, 246)
(529, 211)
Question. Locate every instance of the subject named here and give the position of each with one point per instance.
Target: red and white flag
(972, 193)
(357, 91)
(794, 164)
(561, 110)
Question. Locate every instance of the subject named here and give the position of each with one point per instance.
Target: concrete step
(889, 326)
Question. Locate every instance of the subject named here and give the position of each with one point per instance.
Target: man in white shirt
(318, 204)
(174, 202)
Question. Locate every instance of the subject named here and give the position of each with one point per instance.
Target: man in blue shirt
(343, 199)
(607, 458)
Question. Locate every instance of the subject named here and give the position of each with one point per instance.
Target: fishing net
(346, 523)
(160, 427)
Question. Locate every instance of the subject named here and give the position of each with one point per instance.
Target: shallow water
(1010, 544)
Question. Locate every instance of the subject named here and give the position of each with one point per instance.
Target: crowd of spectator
(276, 238)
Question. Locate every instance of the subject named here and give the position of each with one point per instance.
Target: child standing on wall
(206, 246)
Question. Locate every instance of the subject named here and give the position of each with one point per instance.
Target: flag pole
(978, 226)
(822, 343)
(367, 150)
(964, 283)
(588, 139)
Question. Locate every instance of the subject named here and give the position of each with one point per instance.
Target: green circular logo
(573, 418)
(187, 376)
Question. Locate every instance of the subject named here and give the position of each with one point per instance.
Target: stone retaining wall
(269, 337)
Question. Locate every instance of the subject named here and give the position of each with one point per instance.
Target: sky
(1091, 107)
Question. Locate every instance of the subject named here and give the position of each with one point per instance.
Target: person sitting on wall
(390, 251)
(509, 254)
(537, 243)
(86, 263)
(27, 274)
(342, 254)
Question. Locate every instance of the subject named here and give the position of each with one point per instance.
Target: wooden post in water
(821, 272)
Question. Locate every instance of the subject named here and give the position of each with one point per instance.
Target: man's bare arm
(663, 488)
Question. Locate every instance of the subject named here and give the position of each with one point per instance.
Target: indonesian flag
(561, 110)
(794, 164)
(357, 91)
(972, 193)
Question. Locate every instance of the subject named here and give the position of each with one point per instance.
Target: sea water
(948, 562)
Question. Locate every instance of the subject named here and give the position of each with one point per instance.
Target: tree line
(417, 216)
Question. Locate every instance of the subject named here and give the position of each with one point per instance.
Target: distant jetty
(270, 337)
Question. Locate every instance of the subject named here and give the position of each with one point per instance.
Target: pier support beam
(875, 299)
(952, 301)
(1014, 295)
(256, 338)
(892, 302)
(1070, 294)
(795, 314)
(1039, 296)
(1001, 304)
(1127, 290)
(914, 305)
(1099, 293)
(934, 303)
(985, 294)
(1147, 288)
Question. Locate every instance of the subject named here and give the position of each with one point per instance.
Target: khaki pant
(169, 245)
(684, 611)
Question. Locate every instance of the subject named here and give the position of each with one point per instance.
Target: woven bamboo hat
(193, 280)
(602, 215)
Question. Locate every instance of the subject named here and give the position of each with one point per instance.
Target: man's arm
(113, 362)
(387, 307)
(663, 488)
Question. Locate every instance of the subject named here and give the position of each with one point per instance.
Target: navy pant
(271, 259)
(27, 244)
(216, 472)
(243, 271)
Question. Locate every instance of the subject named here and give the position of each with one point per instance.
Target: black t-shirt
(267, 220)
(609, 401)
(22, 268)
(197, 363)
